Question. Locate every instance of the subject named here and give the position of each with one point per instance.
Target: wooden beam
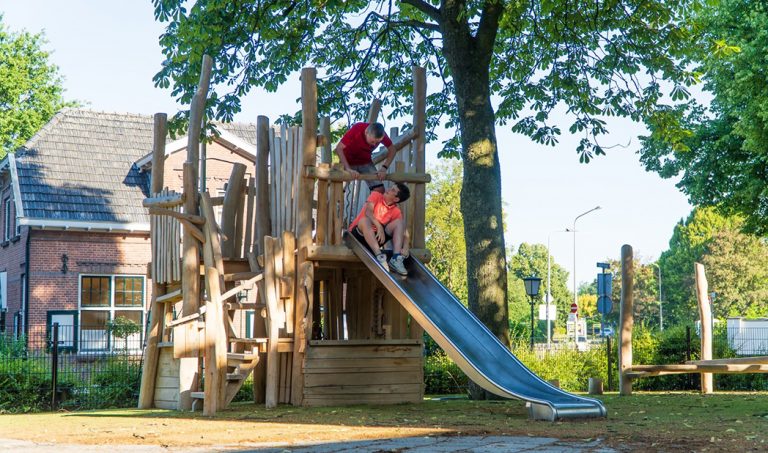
(248, 284)
(164, 201)
(273, 328)
(705, 314)
(196, 219)
(759, 360)
(329, 174)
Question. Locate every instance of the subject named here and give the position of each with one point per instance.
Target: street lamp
(532, 289)
(661, 313)
(575, 289)
(548, 296)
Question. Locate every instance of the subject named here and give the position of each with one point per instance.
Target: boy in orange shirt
(381, 220)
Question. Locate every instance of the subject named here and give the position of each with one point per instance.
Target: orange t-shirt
(381, 212)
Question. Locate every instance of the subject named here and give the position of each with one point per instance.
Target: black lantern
(532, 289)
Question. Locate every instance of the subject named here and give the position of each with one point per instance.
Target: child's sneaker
(382, 259)
(396, 264)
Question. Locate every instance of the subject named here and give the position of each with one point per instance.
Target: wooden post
(626, 319)
(373, 112)
(215, 334)
(263, 221)
(420, 125)
(229, 212)
(188, 377)
(151, 355)
(705, 314)
(305, 194)
(273, 328)
(303, 330)
(325, 131)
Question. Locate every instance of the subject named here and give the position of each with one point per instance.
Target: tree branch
(432, 12)
(489, 26)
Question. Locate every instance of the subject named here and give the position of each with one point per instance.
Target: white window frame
(7, 219)
(110, 341)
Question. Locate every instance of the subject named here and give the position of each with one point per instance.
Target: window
(67, 321)
(8, 224)
(111, 312)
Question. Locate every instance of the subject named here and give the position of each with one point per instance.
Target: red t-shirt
(381, 212)
(356, 148)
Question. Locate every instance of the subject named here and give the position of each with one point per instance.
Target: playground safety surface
(642, 422)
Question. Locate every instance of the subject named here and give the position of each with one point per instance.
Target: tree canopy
(735, 264)
(595, 59)
(719, 151)
(30, 87)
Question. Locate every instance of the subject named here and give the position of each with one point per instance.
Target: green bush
(442, 376)
(572, 368)
(25, 386)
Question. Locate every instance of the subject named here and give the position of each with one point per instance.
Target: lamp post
(661, 313)
(575, 289)
(548, 296)
(532, 289)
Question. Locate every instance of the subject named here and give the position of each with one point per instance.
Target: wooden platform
(363, 372)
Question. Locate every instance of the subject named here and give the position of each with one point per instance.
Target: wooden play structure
(324, 330)
(705, 367)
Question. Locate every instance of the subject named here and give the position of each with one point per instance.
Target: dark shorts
(368, 169)
(359, 235)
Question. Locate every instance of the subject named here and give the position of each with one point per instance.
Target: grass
(644, 421)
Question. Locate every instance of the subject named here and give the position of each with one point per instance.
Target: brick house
(75, 237)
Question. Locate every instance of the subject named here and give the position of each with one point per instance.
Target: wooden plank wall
(165, 235)
(167, 380)
(363, 372)
(284, 171)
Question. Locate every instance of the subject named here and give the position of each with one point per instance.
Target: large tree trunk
(469, 60)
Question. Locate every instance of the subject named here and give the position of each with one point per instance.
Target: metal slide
(471, 345)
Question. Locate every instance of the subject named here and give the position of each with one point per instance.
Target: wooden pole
(420, 126)
(373, 112)
(325, 131)
(188, 368)
(229, 212)
(263, 221)
(215, 334)
(151, 355)
(705, 314)
(626, 319)
(273, 328)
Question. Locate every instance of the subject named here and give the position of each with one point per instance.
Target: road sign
(574, 308)
(604, 284)
(552, 312)
(604, 305)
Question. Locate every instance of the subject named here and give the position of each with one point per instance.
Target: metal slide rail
(471, 345)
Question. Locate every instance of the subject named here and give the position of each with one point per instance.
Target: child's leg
(365, 227)
(396, 229)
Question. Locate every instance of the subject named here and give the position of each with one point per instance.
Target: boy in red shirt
(356, 147)
(381, 220)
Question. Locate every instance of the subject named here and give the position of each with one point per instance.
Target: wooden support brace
(164, 201)
(196, 219)
(343, 175)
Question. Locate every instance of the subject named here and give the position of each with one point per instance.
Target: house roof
(80, 169)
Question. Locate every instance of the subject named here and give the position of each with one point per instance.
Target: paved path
(467, 444)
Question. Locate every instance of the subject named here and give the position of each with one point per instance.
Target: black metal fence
(70, 367)
(76, 367)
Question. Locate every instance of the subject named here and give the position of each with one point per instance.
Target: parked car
(607, 331)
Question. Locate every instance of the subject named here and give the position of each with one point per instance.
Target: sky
(107, 52)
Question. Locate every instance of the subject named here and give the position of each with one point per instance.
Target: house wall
(12, 260)
(218, 168)
(58, 259)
